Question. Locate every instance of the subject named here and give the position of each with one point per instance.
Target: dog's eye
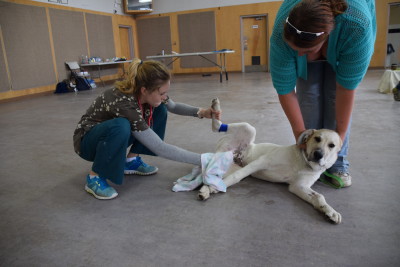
(317, 139)
(331, 145)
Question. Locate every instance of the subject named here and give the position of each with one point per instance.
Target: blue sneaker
(99, 188)
(137, 166)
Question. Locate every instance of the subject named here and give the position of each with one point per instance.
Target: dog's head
(322, 147)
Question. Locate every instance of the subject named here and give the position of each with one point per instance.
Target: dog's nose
(318, 155)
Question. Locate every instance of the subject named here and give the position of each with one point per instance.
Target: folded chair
(78, 76)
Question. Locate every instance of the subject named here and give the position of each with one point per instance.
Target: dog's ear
(305, 136)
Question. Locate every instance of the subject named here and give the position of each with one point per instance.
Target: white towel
(213, 168)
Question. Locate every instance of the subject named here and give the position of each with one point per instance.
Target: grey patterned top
(115, 104)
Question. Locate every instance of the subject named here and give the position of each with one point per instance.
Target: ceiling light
(144, 1)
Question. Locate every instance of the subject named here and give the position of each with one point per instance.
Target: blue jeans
(317, 98)
(106, 143)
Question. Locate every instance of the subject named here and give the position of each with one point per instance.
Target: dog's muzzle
(317, 155)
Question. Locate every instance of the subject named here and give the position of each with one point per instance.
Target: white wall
(160, 6)
(108, 6)
(164, 6)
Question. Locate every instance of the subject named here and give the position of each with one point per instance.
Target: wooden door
(254, 46)
(125, 42)
(126, 45)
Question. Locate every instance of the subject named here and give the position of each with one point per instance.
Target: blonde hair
(149, 74)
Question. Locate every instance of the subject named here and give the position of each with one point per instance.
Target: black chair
(78, 77)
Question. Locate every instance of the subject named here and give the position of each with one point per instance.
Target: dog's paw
(202, 197)
(215, 124)
(204, 193)
(212, 189)
(215, 104)
(334, 217)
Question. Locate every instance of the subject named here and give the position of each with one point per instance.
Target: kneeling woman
(134, 113)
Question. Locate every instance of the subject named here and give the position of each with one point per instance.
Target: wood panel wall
(100, 36)
(68, 45)
(227, 35)
(198, 30)
(228, 31)
(37, 38)
(155, 37)
(4, 75)
(27, 45)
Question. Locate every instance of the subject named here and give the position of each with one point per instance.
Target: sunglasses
(302, 34)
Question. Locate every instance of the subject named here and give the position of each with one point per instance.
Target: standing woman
(134, 113)
(320, 52)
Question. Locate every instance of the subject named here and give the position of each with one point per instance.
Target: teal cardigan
(350, 47)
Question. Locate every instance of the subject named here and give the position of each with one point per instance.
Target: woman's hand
(207, 113)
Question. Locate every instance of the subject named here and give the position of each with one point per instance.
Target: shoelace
(140, 161)
(101, 183)
(343, 174)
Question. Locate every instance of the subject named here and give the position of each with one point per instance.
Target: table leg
(221, 68)
(99, 71)
(226, 72)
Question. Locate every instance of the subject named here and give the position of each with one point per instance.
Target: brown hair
(313, 16)
(148, 74)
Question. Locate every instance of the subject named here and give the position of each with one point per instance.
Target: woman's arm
(344, 108)
(187, 110)
(153, 142)
(182, 109)
(291, 107)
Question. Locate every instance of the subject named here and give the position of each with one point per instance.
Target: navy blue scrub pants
(105, 144)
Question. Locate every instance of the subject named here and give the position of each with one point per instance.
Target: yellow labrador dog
(300, 168)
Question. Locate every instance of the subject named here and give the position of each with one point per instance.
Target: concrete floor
(47, 219)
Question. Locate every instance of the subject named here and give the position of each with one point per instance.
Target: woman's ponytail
(148, 74)
(337, 6)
